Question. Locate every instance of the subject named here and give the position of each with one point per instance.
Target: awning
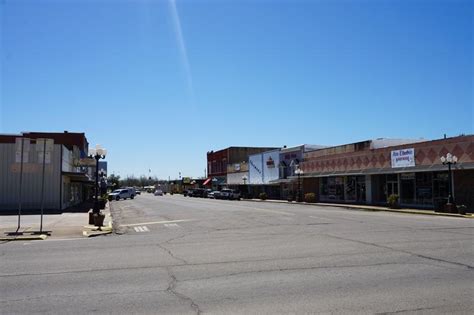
(206, 181)
(381, 171)
(78, 177)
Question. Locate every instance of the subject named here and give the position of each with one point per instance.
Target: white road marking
(139, 229)
(155, 222)
(172, 225)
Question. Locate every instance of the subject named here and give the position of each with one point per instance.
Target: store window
(424, 188)
(351, 188)
(332, 188)
(360, 189)
(440, 188)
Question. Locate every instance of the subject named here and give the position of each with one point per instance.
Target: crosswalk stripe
(141, 229)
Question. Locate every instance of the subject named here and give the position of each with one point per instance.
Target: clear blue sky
(160, 83)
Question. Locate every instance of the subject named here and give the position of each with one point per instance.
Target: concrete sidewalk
(60, 226)
(370, 208)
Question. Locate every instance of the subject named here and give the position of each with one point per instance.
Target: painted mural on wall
(255, 169)
(263, 167)
(271, 160)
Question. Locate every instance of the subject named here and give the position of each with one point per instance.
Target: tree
(114, 180)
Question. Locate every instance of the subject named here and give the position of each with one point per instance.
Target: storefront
(263, 171)
(364, 173)
(343, 188)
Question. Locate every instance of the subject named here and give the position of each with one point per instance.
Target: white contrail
(182, 47)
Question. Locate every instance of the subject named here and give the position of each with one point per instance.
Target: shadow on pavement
(81, 208)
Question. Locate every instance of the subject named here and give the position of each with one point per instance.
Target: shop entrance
(407, 183)
(360, 188)
(391, 187)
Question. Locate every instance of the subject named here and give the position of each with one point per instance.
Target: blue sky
(160, 83)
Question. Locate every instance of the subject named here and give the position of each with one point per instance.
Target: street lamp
(244, 178)
(299, 172)
(103, 185)
(449, 160)
(97, 154)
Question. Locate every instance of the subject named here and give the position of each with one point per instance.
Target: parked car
(207, 192)
(188, 192)
(158, 192)
(214, 194)
(198, 192)
(230, 194)
(122, 194)
(138, 192)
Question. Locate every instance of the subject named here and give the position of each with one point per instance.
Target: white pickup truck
(122, 194)
(230, 194)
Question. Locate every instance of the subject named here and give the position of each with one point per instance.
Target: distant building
(68, 172)
(230, 161)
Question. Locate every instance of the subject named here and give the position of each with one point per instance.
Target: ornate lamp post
(299, 172)
(97, 154)
(103, 177)
(449, 160)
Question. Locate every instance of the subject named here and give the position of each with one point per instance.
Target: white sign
(19, 142)
(48, 147)
(403, 158)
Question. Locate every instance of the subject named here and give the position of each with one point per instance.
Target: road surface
(180, 255)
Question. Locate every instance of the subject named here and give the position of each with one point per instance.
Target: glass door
(391, 185)
(407, 187)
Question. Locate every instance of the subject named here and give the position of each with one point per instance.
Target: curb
(362, 208)
(41, 237)
(92, 230)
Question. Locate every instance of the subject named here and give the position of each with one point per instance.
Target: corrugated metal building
(67, 181)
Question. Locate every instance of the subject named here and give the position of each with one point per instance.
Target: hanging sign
(403, 158)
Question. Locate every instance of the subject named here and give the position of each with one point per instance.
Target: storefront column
(368, 189)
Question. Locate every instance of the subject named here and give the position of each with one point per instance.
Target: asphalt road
(178, 255)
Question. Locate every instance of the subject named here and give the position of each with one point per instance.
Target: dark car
(188, 192)
(199, 192)
(207, 193)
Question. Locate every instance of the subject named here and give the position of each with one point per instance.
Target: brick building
(368, 172)
(231, 160)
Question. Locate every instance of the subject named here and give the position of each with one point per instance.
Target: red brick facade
(426, 154)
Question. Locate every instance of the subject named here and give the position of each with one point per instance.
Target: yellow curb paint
(41, 237)
(87, 234)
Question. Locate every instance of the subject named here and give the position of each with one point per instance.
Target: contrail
(182, 48)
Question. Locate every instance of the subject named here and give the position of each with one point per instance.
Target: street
(180, 255)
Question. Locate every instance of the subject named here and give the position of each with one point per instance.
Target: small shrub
(310, 197)
(392, 201)
(262, 196)
(462, 209)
